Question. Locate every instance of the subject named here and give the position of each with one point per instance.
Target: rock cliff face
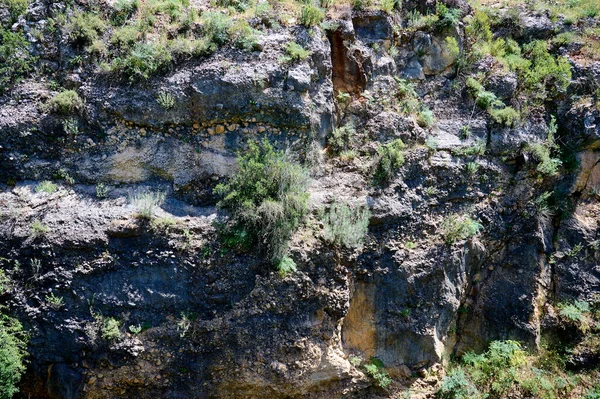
(196, 319)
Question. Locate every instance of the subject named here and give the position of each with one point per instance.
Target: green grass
(295, 53)
(344, 225)
(391, 158)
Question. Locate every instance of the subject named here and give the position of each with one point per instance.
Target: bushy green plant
(447, 17)
(547, 75)
(165, 99)
(38, 228)
(46, 186)
(418, 21)
(425, 117)
(55, 301)
(295, 52)
(267, 198)
(506, 116)
(15, 9)
(345, 225)
(66, 103)
(15, 58)
(244, 36)
(456, 385)
(144, 60)
(342, 139)
(111, 329)
(391, 158)
(215, 27)
(455, 227)
(146, 201)
(375, 369)
(311, 15)
(286, 266)
(360, 5)
(13, 344)
(574, 311)
(85, 27)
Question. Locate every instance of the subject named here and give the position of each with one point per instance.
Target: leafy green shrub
(456, 385)
(66, 103)
(311, 15)
(375, 370)
(165, 99)
(243, 35)
(346, 226)
(387, 6)
(418, 21)
(124, 9)
(295, 52)
(146, 201)
(286, 266)
(215, 27)
(360, 5)
(85, 27)
(125, 37)
(547, 75)
(46, 187)
(507, 116)
(447, 17)
(38, 228)
(391, 158)
(111, 329)
(55, 301)
(15, 9)
(144, 60)
(456, 228)
(342, 139)
(425, 117)
(267, 198)
(15, 59)
(13, 345)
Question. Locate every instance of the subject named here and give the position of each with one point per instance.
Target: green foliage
(286, 266)
(15, 9)
(13, 345)
(295, 52)
(243, 35)
(144, 60)
(124, 9)
(85, 27)
(456, 385)
(66, 103)
(360, 5)
(165, 99)
(55, 301)
(15, 60)
(146, 201)
(215, 27)
(574, 311)
(46, 186)
(542, 152)
(38, 228)
(101, 190)
(267, 197)
(345, 225)
(425, 117)
(418, 21)
(391, 158)
(447, 17)
(311, 15)
(507, 116)
(375, 370)
(387, 6)
(342, 139)
(111, 329)
(455, 228)
(238, 5)
(547, 75)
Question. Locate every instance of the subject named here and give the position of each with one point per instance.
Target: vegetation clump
(391, 158)
(345, 225)
(455, 228)
(267, 199)
(66, 103)
(13, 344)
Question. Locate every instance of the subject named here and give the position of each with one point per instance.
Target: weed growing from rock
(267, 198)
(345, 225)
